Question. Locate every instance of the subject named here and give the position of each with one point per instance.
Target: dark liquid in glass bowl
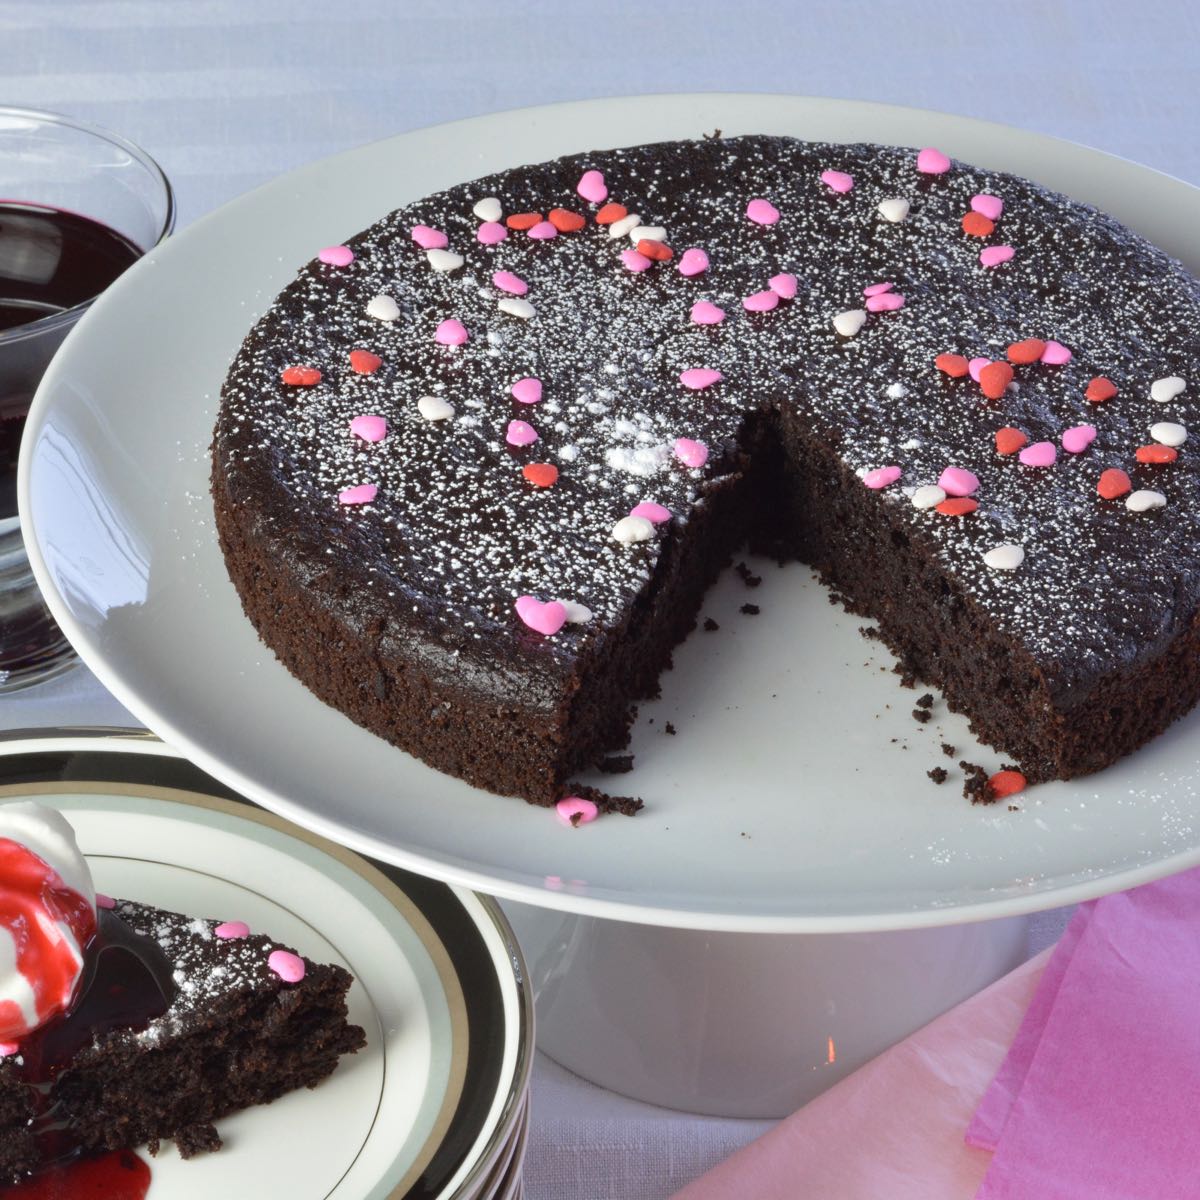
(50, 261)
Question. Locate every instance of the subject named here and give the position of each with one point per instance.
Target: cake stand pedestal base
(742, 1024)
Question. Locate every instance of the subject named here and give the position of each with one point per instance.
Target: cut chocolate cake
(474, 470)
(172, 1022)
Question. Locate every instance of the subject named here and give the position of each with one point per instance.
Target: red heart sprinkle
(1113, 483)
(1156, 454)
(957, 506)
(658, 251)
(954, 365)
(994, 378)
(565, 221)
(540, 474)
(523, 220)
(300, 376)
(977, 225)
(1028, 351)
(364, 362)
(609, 214)
(1100, 389)
(1005, 783)
(1010, 440)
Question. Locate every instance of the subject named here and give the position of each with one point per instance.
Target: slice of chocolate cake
(173, 1022)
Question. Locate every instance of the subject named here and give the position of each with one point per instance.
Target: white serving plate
(782, 805)
(436, 1097)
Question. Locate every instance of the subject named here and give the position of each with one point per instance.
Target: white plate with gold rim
(435, 1100)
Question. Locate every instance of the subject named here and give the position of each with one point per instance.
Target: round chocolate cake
(474, 470)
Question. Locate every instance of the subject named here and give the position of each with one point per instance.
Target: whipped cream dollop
(47, 917)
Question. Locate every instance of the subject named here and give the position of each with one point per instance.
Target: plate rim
(930, 914)
(461, 1179)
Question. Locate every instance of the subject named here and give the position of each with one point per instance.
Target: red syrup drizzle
(34, 901)
(127, 981)
(118, 1175)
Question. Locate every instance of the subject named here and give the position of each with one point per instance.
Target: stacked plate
(436, 1105)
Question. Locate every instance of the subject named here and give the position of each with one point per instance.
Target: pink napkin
(895, 1127)
(1100, 1097)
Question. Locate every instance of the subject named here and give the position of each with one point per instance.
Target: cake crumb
(938, 774)
(975, 786)
(710, 626)
(926, 701)
(669, 728)
(751, 610)
(625, 805)
(747, 576)
(948, 750)
(921, 714)
(616, 764)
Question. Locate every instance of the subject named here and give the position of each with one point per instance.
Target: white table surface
(229, 93)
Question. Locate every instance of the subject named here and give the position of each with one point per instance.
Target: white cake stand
(797, 893)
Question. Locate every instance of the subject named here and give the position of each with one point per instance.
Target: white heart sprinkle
(632, 529)
(577, 614)
(515, 306)
(895, 209)
(1144, 500)
(618, 229)
(434, 408)
(1167, 388)
(928, 496)
(897, 391)
(444, 260)
(1005, 558)
(849, 323)
(488, 209)
(383, 308)
(1168, 433)
(648, 233)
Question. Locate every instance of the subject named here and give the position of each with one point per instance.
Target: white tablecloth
(229, 93)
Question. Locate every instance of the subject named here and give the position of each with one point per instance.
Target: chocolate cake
(474, 470)
(178, 1022)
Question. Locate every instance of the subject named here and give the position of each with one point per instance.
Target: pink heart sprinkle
(491, 232)
(1040, 454)
(783, 285)
(954, 481)
(881, 477)
(369, 427)
(993, 256)
(699, 377)
(691, 454)
(837, 181)
(704, 313)
(545, 617)
(543, 231)
(762, 212)
(976, 365)
(103, 901)
(232, 929)
(932, 162)
(527, 390)
(1078, 438)
(592, 188)
(520, 433)
(1055, 354)
(885, 302)
(693, 262)
(761, 302)
(654, 513)
(506, 281)
(337, 256)
(288, 966)
(575, 810)
(7, 1049)
(877, 289)
(363, 493)
(429, 239)
(987, 205)
(451, 332)
(635, 260)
